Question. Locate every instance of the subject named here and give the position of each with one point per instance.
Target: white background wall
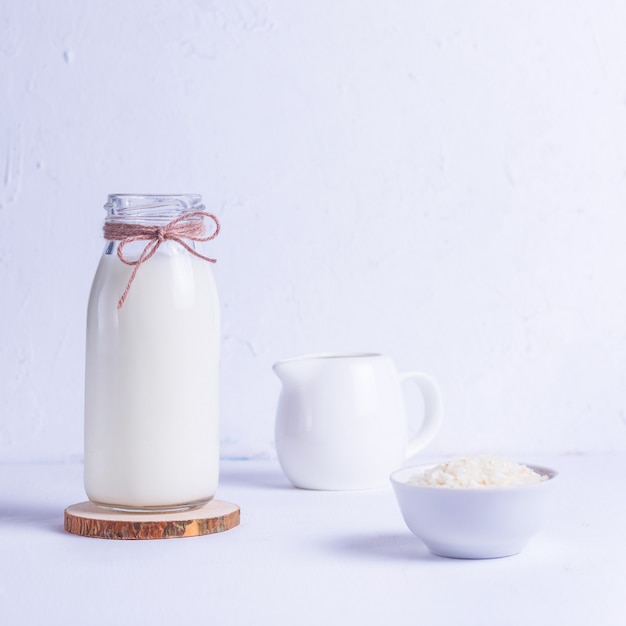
(442, 181)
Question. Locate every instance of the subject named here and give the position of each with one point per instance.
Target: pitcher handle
(433, 410)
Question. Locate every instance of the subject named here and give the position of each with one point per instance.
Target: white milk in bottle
(151, 393)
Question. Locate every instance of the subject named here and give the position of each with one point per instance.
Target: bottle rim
(151, 207)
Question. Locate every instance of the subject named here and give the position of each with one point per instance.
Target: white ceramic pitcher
(341, 422)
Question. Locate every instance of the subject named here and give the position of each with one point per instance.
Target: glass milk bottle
(151, 391)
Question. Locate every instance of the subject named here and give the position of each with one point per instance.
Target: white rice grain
(477, 472)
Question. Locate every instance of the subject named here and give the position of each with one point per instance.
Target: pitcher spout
(288, 372)
(297, 371)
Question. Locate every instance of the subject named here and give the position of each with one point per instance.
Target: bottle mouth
(151, 207)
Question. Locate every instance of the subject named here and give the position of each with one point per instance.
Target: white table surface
(305, 557)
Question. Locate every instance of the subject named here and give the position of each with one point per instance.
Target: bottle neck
(154, 210)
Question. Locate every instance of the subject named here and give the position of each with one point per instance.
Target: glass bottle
(152, 359)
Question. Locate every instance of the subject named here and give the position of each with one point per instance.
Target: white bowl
(473, 523)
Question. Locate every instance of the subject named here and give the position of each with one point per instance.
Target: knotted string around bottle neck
(179, 229)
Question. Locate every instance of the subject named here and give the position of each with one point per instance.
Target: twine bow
(179, 229)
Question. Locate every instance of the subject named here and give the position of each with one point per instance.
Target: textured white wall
(440, 181)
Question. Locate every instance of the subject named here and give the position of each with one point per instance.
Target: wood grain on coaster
(90, 520)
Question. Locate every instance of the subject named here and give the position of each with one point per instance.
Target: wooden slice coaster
(90, 520)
